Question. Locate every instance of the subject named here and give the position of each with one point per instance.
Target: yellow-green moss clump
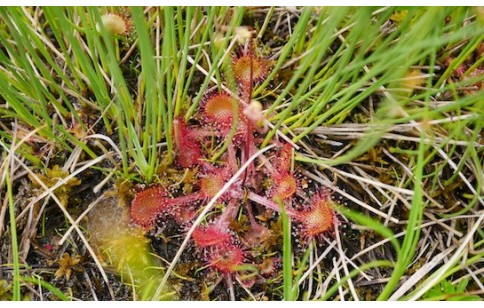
(126, 248)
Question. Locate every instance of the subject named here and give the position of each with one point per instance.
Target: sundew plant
(241, 153)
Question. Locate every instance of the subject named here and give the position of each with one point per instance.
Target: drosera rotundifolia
(240, 237)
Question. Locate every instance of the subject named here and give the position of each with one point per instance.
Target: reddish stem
(270, 204)
(184, 200)
(230, 212)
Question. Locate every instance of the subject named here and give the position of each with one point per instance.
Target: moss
(51, 177)
(126, 248)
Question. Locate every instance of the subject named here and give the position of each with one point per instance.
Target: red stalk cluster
(264, 187)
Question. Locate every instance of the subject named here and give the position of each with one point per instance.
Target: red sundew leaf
(147, 205)
(189, 156)
(212, 182)
(269, 266)
(218, 109)
(211, 185)
(241, 65)
(284, 187)
(184, 215)
(188, 151)
(318, 217)
(227, 259)
(210, 236)
(257, 235)
(283, 160)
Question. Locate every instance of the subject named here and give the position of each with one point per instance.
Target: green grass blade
(44, 284)
(287, 255)
(16, 296)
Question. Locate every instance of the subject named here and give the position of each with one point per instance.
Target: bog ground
(241, 153)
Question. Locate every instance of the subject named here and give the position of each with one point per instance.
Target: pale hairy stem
(269, 204)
